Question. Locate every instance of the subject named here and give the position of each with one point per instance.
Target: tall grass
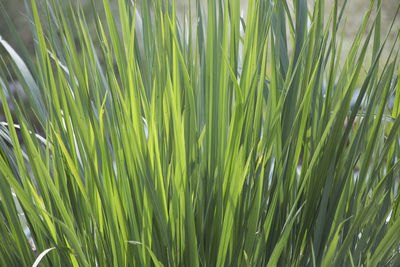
(205, 145)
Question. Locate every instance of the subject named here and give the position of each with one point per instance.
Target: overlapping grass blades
(167, 144)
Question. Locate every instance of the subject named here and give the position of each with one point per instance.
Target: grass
(205, 146)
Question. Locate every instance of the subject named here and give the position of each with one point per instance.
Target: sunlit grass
(155, 143)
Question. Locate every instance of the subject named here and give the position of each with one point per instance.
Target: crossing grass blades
(153, 141)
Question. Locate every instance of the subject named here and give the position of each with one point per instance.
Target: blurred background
(354, 15)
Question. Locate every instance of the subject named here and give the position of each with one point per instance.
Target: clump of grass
(169, 150)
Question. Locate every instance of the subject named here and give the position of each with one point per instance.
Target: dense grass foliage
(156, 143)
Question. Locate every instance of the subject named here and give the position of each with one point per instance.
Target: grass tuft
(202, 141)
